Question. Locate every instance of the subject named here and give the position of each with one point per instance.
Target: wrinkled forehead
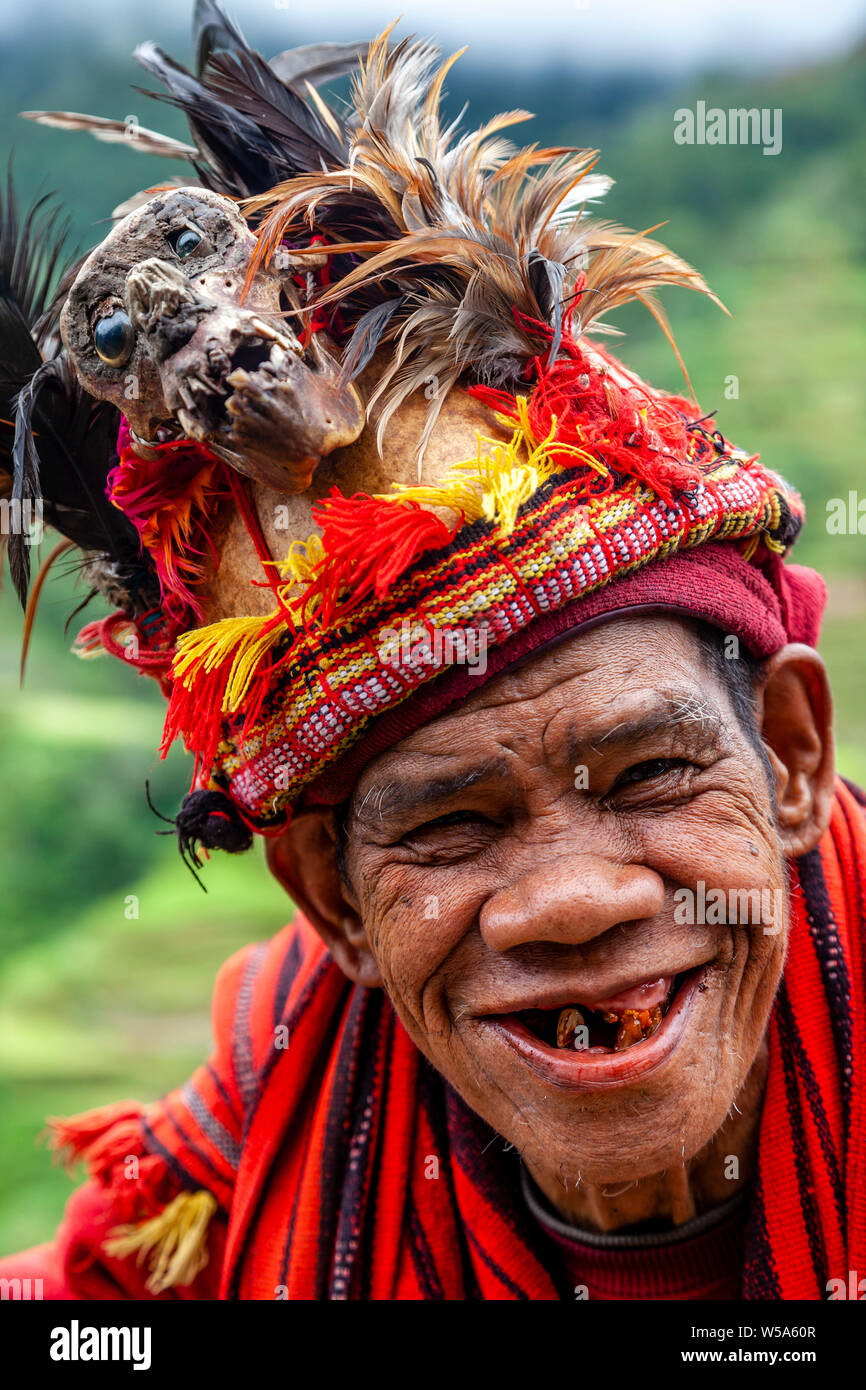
(601, 686)
(591, 672)
(153, 230)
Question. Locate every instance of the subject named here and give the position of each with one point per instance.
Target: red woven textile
(315, 1122)
(765, 608)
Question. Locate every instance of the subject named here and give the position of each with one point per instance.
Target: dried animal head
(157, 324)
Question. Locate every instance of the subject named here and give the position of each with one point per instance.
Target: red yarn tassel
(196, 716)
(169, 501)
(80, 1136)
(630, 429)
(110, 1142)
(369, 543)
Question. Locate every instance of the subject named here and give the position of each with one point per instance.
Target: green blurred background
(107, 946)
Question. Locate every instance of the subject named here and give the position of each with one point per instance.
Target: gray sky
(609, 33)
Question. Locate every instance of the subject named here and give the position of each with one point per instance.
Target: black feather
(63, 450)
(290, 125)
(228, 143)
(251, 129)
(30, 249)
(546, 280)
(212, 29)
(365, 336)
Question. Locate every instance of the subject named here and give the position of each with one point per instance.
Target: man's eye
(184, 241)
(471, 818)
(645, 772)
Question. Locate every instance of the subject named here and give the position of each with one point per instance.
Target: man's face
(527, 854)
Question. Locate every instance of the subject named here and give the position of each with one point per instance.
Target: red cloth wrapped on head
(764, 608)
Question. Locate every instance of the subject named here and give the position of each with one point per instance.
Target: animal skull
(154, 323)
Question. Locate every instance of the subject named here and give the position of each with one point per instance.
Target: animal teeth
(202, 384)
(567, 1025)
(190, 426)
(265, 330)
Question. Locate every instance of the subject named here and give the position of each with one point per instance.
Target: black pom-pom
(210, 819)
(207, 819)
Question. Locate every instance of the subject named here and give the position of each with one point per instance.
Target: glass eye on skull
(184, 242)
(114, 338)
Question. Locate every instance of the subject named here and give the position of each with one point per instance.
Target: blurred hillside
(96, 1002)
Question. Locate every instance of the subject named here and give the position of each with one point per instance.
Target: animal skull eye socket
(184, 241)
(114, 338)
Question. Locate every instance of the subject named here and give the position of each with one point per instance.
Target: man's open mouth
(612, 1024)
(592, 1043)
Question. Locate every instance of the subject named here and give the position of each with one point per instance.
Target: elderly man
(533, 723)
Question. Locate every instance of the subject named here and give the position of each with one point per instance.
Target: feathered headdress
(460, 250)
(446, 259)
(472, 252)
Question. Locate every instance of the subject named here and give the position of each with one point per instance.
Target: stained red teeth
(633, 1026)
(567, 1025)
(637, 1025)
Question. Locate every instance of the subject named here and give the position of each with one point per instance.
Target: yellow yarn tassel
(496, 483)
(174, 1242)
(248, 640)
(302, 559)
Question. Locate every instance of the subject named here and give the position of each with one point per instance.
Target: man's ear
(304, 860)
(796, 721)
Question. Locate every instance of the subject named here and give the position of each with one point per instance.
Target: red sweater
(701, 1260)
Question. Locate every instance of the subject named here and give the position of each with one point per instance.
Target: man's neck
(677, 1194)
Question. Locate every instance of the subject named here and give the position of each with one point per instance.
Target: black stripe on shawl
(432, 1096)
(791, 1033)
(857, 792)
(290, 1235)
(291, 1021)
(422, 1258)
(760, 1276)
(289, 967)
(336, 1138)
(497, 1182)
(173, 1163)
(361, 1153)
(217, 1081)
(801, 1162)
(831, 960)
(500, 1274)
(190, 1144)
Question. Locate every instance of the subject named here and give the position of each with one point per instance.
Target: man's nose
(570, 902)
